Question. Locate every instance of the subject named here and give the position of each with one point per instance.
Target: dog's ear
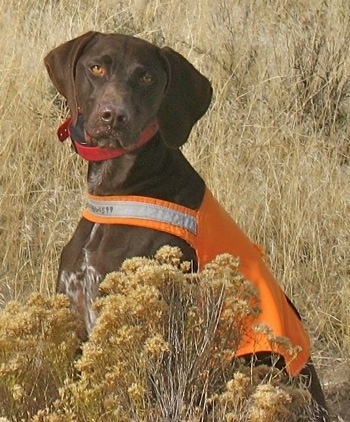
(187, 98)
(61, 63)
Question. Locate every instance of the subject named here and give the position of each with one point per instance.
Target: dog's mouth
(109, 137)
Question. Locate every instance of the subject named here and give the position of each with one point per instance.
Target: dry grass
(274, 146)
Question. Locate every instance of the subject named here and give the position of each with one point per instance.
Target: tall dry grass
(274, 146)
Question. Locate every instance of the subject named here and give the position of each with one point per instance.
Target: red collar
(93, 153)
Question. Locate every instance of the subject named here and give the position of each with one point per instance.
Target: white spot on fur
(82, 287)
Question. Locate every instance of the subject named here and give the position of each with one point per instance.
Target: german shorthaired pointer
(132, 106)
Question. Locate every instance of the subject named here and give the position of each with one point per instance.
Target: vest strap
(130, 209)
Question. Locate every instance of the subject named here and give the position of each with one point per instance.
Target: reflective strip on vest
(132, 209)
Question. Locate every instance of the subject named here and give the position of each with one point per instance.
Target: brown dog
(132, 106)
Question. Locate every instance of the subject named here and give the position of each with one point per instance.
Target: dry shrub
(162, 349)
(262, 393)
(37, 349)
(164, 339)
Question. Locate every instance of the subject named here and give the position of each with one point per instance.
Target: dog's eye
(97, 70)
(146, 79)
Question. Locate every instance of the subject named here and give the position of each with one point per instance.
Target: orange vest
(211, 231)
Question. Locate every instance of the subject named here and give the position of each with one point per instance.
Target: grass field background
(274, 146)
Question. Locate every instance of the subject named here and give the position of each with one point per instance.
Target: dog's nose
(114, 114)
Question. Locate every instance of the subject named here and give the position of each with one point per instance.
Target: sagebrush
(163, 348)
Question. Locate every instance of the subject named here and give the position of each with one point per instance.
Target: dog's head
(121, 83)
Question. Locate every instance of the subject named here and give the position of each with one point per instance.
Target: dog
(132, 105)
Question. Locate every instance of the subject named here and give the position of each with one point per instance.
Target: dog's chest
(81, 283)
